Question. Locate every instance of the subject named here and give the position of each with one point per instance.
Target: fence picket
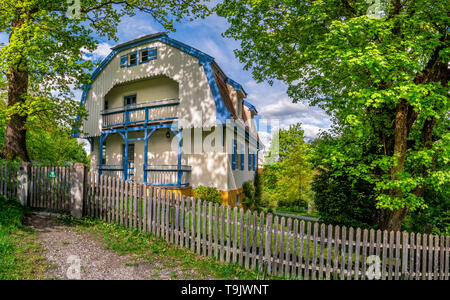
(350, 254)
(329, 246)
(241, 236)
(248, 239)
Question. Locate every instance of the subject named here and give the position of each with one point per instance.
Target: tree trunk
(15, 145)
(391, 220)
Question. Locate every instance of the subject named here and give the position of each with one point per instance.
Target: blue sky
(271, 102)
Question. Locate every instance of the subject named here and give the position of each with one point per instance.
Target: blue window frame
(129, 59)
(147, 54)
(234, 154)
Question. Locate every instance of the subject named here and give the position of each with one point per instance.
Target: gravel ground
(64, 248)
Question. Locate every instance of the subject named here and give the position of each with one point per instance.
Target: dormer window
(142, 56)
(147, 54)
(132, 59)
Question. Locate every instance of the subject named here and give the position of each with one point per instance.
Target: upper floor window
(132, 59)
(141, 56)
(147, 54)
(129, 100)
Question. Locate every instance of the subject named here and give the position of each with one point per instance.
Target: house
(165, 114)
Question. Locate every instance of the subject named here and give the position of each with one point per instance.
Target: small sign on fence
(52, 174)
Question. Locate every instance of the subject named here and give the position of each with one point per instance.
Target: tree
(380, 71)
(43, 59)
(288, 178)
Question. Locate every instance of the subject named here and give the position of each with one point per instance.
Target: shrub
(209, 194)
(342, 200)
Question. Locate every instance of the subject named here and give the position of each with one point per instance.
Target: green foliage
(209, 194)
(434, 219)
(344, 201)
(55, 146)
(48, 48)
(287, 179)
(249, 195)
(383, 80)
(19, 253)
(50, 144)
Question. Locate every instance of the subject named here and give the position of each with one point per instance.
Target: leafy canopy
(51, 47)
(362, 69)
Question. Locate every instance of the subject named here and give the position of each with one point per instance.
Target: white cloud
(102, 51)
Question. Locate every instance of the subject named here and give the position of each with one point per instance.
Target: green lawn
(20, 255)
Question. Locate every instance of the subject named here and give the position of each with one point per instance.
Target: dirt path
(64, 247)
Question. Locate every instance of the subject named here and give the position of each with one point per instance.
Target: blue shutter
(255, 160)
(152, 53)
(242, 156)
(124, 61)
(234, 154)
(249, 160)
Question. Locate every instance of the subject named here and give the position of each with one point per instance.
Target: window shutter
(234, 155)
(124, 61)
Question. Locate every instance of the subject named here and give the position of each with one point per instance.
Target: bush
(343, 200)
(209, 194)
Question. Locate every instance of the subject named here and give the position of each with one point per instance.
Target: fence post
(23, 182)
(77, 189)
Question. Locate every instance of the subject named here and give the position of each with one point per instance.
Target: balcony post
(125, 157)
(100, 155)
(180, 173)
(145, 151)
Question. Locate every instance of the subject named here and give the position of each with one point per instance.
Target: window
(132, 59)
(129, 100)
(104, 153)
(130, 152)
(148, 54)
(238, 199)
(106, 105)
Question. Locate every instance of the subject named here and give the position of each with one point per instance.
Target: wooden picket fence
(277, 246)
(8, 180)
(260, 242)
(50, 188)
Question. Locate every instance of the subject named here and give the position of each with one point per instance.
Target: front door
(130, 163)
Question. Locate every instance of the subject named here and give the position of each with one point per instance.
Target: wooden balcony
(168, 175)
(159, 111)
(158, 175)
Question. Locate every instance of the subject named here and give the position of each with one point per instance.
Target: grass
(149, 249)
(20, 255)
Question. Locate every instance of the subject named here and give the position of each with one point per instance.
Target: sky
(272, 102)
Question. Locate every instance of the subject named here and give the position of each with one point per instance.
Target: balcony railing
(168, 175)
(141, 113)
(160, 175)
(111, 170)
